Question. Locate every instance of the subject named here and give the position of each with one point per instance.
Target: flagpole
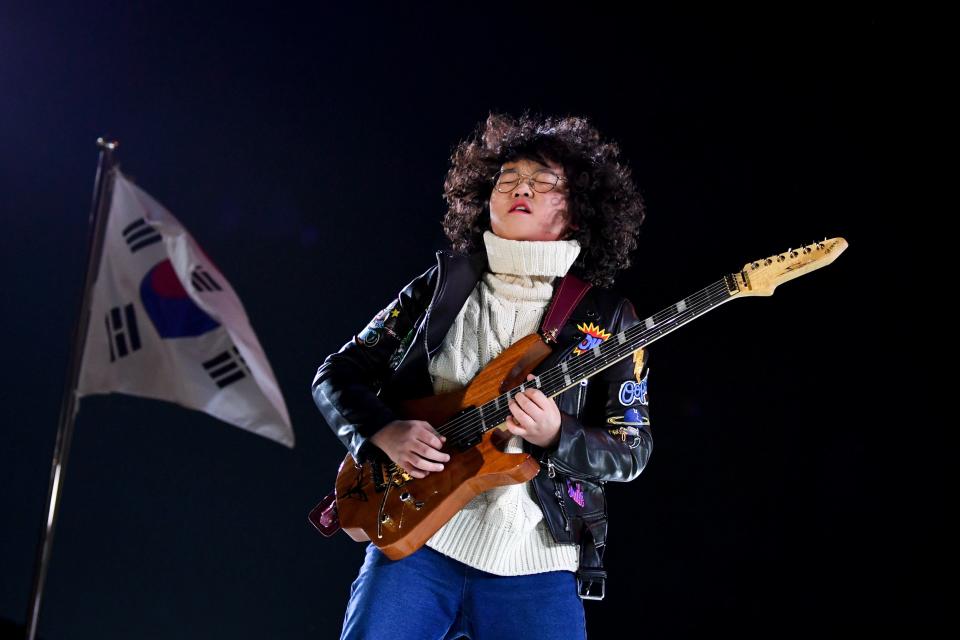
(102, 192)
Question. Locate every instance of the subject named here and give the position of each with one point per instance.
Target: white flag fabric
(166, 324)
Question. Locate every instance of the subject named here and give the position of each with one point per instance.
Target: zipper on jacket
(580, 388)
(563, 507)
(567, 471)
(437, 292)
(553, 465)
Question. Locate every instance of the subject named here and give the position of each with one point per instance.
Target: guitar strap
(566, 296)
(591, 575)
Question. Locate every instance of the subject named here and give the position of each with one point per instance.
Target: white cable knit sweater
(502, 531)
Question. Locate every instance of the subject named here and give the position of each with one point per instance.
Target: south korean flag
(166, 324)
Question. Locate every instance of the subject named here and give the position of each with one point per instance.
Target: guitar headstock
(761, 277)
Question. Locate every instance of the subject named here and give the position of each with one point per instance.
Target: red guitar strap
(567, 295)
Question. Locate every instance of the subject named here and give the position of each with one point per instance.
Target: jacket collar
(457, 276)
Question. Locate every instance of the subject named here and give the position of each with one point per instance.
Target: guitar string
(463, 425)
(702, 300)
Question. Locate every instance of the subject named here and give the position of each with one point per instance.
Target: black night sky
(305, 147)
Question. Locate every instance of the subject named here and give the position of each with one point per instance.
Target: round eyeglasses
(542, 180)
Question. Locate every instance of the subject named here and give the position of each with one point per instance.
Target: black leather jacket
(605, 433)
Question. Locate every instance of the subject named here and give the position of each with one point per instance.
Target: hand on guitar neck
(412, 444)
(535, 417)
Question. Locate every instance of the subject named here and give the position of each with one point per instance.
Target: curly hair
(604, 210)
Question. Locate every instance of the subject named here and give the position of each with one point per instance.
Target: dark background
(305, 150)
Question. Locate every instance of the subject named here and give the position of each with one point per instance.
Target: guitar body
(379, 502)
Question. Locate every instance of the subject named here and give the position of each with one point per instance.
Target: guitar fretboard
(477, 420)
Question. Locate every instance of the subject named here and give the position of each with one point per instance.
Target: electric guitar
(379, 501)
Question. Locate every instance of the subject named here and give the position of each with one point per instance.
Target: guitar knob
(406, 497)
(385, 518)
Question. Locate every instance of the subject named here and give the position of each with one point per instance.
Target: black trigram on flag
(122, 333)
(227, 368)
(139, 235)
(203, 281)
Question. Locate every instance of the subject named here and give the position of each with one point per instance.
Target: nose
(525, 186)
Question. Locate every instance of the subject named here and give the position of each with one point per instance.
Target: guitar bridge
(388, 475)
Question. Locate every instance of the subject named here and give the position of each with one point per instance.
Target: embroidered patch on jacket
(387, 319)
(575, 491)
(368, 337)
(629, 426)
(638, 357)
(629, 417)
(633, 392)
(401, 351)
(593, 336)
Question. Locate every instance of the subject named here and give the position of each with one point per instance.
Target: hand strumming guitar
(412, 444)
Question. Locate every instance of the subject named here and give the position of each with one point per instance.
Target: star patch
(387, 319)
(593, 336)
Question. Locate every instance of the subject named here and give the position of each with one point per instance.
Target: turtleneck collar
(529, 257)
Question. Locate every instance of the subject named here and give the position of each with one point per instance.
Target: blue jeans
(429, 596)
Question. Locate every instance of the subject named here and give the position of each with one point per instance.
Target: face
(547, 217)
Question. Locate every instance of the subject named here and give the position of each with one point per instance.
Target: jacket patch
(630, 417)
(368, 337)
(633, 392)
(628, 432)
(638, 357)
(575, 491)
(593, 336)
(387, 319)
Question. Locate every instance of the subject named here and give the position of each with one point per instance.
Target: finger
(535, 396)
(520, 416)
(429, 436)
(514, 428)
(412, 471)
(430, 453)
(429, 427)
(529, 408)
(425, 465)
(530, 377)
(539, 397)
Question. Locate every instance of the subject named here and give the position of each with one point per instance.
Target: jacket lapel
(458, 275)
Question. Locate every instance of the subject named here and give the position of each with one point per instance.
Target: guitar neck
(617, 347)
(622, 345)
